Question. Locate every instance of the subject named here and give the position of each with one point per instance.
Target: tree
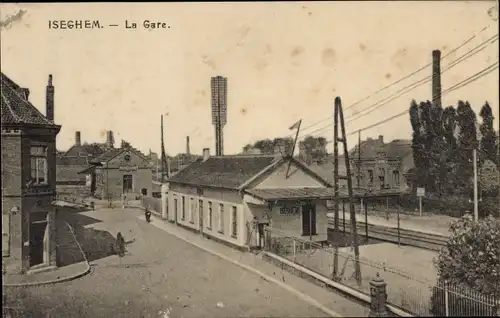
(489, 139)
(417, 145)
(470, 259)
(313, 149)
(466, 142)
(489, 183)
(268, 147)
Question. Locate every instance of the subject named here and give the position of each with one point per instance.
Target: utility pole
(354, 232)
(359, 157)
(164, 165)
(336, 190)
(474, 164)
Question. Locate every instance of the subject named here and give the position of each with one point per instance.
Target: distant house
(233, 198)
(75, 159)
(118, 171)
(382, 165)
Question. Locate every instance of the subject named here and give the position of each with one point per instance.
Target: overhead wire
(399, 80)
(458, 85)
(401, 92)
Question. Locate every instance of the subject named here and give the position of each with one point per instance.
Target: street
(160, 275)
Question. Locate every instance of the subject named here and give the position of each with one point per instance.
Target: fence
(151, 203)
(404, 290)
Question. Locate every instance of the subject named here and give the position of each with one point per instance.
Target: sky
(284, 61)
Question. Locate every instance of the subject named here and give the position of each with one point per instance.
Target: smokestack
(49, 100)
(206, 154)
(110, 141)
(78, 139)
(381, 138)
(26, 93)
(188, 152)
(436, 77)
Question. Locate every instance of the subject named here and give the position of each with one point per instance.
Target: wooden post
(336, 190)
(354, 231)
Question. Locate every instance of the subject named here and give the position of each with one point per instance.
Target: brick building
(118, 171)
(75, 159)
(28, 180)
(382, 165)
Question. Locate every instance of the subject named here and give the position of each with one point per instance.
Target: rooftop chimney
(110, 141)
(26, 93)
(49, 100)
(188, 152)
(436, 77)
(381, 138)
(206, 153)
(78, 139)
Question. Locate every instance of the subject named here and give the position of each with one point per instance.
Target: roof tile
(16, 109)
(225, 172)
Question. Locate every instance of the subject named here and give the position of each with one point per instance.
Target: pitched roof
(113, 152)
(228, 172)
(16, 109)
(369, 148)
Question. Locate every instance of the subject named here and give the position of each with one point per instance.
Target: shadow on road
(96, 244)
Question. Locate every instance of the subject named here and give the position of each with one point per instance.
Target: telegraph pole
(359, 157)
(474, 164)
(354, 231)
(336, 190)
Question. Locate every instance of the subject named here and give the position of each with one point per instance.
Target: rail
(402, 236)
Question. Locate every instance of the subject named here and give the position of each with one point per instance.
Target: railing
(404, 290)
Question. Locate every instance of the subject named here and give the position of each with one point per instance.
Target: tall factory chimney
(219, 111)
(49, 100)
(188, 152)
(78, 139)
(436, 77)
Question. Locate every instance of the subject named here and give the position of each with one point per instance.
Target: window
(395, 175)
(176, 207)
(192, 210)
(234, 219)
(221, 218)
(209, 216)
(183, 216)
(38, 159)
(370, 176)
(200, 210)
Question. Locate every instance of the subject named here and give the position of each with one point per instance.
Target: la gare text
(96, 24)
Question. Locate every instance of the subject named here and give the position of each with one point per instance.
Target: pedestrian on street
(147, 214)
(120, 245)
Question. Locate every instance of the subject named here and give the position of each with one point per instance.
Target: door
(127, 183)
(260, 227)
(37, 233)
(309, 220)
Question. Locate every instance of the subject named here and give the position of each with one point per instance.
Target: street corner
(49, 277)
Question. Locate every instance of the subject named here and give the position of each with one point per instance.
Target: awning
(87, 170)
(258, 211)
(283, 194)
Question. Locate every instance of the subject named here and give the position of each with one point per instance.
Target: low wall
(72, 190)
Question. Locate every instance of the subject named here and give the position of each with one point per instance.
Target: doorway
(262, 235)
(38, 230)
(127, 183)
(309, 220)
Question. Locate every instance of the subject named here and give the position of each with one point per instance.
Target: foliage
(472, 256)
(466, 142)
(313, 149)
(489, 179)
(489, 138)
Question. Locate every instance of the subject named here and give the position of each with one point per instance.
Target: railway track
(407, 237)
